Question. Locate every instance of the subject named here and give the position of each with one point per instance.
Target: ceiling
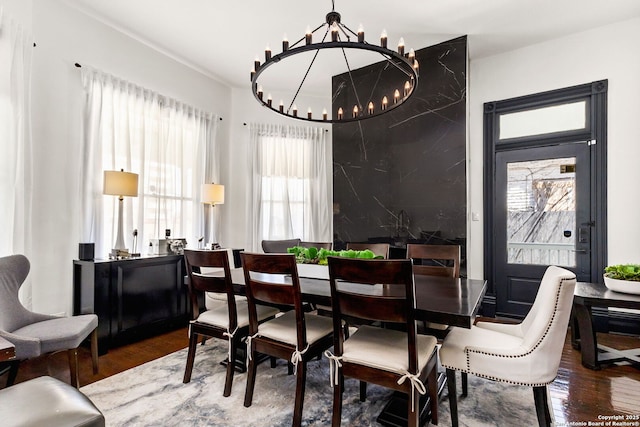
(222, 38)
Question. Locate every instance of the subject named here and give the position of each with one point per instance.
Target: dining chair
(34, 334)
(526, 353)
(229, 322)
(279, 246)
(295, 336)
(318, 245)
(380, 249)
(435, 260)
(400, 360)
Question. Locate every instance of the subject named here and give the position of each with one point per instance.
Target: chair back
(544, 329)
(319, 245)
(200, 281)
(388, 295)
(437, 260)
(13, 272)
(272, 279)
(279, 246)
(380, 249)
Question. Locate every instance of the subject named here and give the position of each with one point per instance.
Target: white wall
(65, 36)
(608, 52)
(245, 109)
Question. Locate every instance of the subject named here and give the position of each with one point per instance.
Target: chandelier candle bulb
(383, 39)
(407, 88)
(412, 54)
(401, 46)
(269, 100)
(256, 63)
(324, 114)
(309, 114)
(281, 108)
(295, 111)
(285, 43)
(260, 92)
(340, 113)
(308, 36)
(334, 32)
(360, 34)
(370, 108)
(396, 96)
(385, 101)
(267, 53)
(416, 65)
(253, 73)
(355, 111)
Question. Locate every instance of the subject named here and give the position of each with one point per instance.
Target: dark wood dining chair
(380, 249)
(435, 260)
(279, 246)
(296, 336)
(230, 321)
(318, 245)
(400, 360)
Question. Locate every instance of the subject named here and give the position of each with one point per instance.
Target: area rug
(153, 395)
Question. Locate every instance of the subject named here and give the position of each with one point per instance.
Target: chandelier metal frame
(405, 62)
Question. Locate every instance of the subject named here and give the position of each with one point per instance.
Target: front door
(542, 218)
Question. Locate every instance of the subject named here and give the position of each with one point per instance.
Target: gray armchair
(34, 334)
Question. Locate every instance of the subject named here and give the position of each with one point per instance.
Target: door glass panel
(557, 118)
(541, 212)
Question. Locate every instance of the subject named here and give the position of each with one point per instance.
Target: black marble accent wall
(401, 177)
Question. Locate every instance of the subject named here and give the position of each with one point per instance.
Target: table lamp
(120, 183)
(212, 194)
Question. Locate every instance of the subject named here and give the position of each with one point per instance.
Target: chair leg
(289, 368)
(273, 361)
(453, 398)
(231, 367)
(363, 391)
(13, 372)
(251, 379)
(464, 383)
(94, 351)
(73, 366)
(301, 380)
(542, 406)
(413, 411)
(337, 400)
(432, 386)
(191, 355)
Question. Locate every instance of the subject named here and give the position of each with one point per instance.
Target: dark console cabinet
(133, 298)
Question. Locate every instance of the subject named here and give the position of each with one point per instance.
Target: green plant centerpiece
(629, 272)
(319, 256)
(623, 278)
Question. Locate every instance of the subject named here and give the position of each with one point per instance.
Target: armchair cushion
(60, 333)
(386, 349)
(283, 328)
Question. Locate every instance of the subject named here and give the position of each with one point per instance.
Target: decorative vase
(625, 286)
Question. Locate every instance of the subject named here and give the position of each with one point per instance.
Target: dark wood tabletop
(7, 350)
(438, 299)
(598, 295)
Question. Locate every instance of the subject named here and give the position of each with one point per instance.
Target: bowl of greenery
(623, 278)
(319, 256)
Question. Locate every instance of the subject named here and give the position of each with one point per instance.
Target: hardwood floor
(578, 394)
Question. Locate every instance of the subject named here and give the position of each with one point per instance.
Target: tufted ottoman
(46, 401)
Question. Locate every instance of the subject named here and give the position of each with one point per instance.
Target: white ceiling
(222, 38)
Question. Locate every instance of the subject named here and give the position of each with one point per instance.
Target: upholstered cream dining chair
(527, 353)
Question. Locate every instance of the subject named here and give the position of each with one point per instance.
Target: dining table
(445, 300)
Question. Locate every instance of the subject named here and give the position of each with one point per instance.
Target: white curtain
(16, 47)
(170, 145)
(288, 189)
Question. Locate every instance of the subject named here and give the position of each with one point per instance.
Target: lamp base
(119, 253)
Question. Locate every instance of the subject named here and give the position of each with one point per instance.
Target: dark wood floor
(578, 394)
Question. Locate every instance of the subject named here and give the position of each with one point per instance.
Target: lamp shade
(120, 183)
(213, 194)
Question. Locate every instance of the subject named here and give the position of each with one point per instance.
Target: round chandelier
(334, 34)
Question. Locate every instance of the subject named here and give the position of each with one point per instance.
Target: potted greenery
(312, 262)
(623, 278)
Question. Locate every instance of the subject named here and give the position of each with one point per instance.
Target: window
(289, 193)
(170, 146)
